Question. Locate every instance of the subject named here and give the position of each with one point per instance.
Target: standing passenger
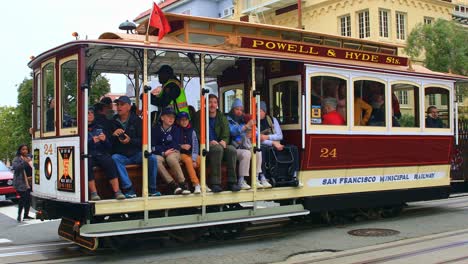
(165, 139)
(218, 132)
(361, 106)
(126, 145)
(171, 93)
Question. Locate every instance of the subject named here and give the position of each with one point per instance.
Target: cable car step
(189, 221)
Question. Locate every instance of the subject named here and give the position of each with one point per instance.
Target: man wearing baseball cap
(126, 146)
(171, 93)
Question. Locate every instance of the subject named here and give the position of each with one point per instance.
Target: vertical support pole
(299, 14)
(204, 144)
(455, 111)
(146, 141)
(85, 145)
(136, 76)
(253, 165)
(303, 123)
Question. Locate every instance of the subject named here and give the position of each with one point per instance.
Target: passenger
(378, 110)
(189, 149)
(340, 96)
(126, 146)
(108, 107)
(22, 167)
(165, 143)
(98, 147)
(192, 111)
(396, 106)
(433, 120)
(270, 130)
(100, 111)
(240, 139)
(330, 116)
(361, 106)
(50, 116)
(218, 132)
(171, 93)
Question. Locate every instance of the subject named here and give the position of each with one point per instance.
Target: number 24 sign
(327, 153)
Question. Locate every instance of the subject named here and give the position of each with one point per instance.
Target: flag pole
(148, 26)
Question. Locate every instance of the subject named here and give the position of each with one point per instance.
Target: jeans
(121, 161)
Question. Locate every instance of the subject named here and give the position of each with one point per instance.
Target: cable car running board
(189, 221)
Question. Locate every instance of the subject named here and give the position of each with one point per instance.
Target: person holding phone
(98, 149)
(22, 167)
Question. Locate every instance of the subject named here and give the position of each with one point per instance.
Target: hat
(263, 106)
(237, 103)
(181, 115)
(166, 69)
(106, 100)
(168, 111)
(123, 99)
(91, 109)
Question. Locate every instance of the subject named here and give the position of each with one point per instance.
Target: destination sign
(320, 51)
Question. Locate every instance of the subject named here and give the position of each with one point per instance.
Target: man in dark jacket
(433, 120)
(126, 146)
(219, 134)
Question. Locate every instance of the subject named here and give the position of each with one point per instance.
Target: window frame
(401, 29)
(384, 25)
(409, 129)
(43, 121)
(37, 117)
(224, 89)
(347, 21)
(365, 31)
(298, 79)
(371, 129)
(71, 130)
(449, 129)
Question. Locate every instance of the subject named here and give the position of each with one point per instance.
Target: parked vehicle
(7, 191)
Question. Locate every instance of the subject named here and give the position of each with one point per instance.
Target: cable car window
(328, 97)
(229, 97)
(286, 102)
(405, 105)
(68, 91)
(37, 123)
(369, 103)
(436, 101)
(48, 99)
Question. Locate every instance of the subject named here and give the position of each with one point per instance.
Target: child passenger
(164, 138)
(189, 149)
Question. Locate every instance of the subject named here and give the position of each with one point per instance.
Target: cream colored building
(378, 20)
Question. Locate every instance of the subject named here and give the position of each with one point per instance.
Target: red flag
(159, 21)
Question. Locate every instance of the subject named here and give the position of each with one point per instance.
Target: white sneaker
(265, 183)
(244, 186)
(208, 189)
(260, 185)
(178, 190)
(197, 189)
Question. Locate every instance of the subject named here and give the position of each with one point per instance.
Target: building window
(383, 23)
(431, 99)
(428, 20)
(345, 25)
(364, 24)
(403, 97)
(401, 26)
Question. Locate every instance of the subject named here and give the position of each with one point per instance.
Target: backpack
(280, 167)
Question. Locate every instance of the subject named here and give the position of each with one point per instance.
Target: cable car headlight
(48, 168)
(10, 182)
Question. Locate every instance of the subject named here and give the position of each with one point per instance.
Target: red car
(7, 191)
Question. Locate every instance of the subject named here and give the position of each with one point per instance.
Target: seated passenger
(107, 107)
(218, 134)
(240, 138)
(433, 120)
(50, 116)
(100, 117)
(98, 147)
(165, 144)
(331, 116)
(126, 146)
(270, 130)
(360, 106)
(340, 96)
(189, 149)
(378, 110)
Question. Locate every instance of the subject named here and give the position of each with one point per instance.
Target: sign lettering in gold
(320, 51)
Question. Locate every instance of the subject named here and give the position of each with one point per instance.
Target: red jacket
(333, 118)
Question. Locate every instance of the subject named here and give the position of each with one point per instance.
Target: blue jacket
(100, 147)
(164, 139)
(189, 136)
